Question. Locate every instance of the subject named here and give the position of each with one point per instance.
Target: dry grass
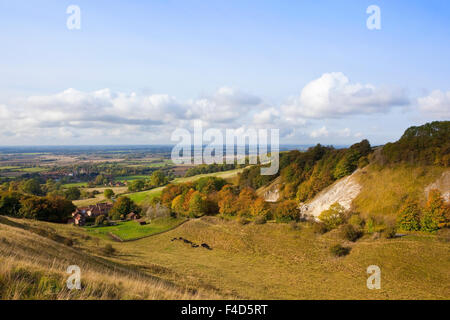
(274, 261)
(99, 197)
(270, 261)
(33, 267)
(385, 189)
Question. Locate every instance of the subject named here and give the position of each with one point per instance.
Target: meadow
(130, 230)
(269, 261)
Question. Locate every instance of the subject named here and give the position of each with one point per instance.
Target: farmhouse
(80, 214)
(78, 219)
(133, 216)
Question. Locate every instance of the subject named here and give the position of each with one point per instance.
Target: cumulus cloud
(72, 113)
(104, 116)
(333, 95)
(345, 132)
(225, 106)
(322, 132)
(436, 104)
(266, 116)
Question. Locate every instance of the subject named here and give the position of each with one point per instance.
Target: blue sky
(192, 59)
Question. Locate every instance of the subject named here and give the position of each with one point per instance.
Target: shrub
(339, 251)
(109, 193)
(109, 250)
(157, 210)
(320, 228)
(99, 220)
(294, 225)
(370, 225)
(287, 211)
(260, 220)
(350, 232)
(259, 207)
(356, 220)
(390, 232)
(243, 220)
(68, 242)
(334, 216)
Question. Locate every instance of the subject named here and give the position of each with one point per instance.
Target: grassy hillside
(270, 261)
(29, 272)
(129, 230)
(276, 261)
(384, 189)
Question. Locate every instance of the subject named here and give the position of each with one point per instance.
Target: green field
(9, 167)
(132, 230)
(131, 178)
(222, 174)
(24, 169)
(75, 184)
(144, 197)
(33, 169)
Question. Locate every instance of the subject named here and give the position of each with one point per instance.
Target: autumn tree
(197, 205)
(209, 184)
(435, 215)
(31, 186)
(100, 179)
(259, 207)
(158, 178)
(408, 217)
(334, 216)
(53, 209)
(122, 207)
(245, 199)
(227, 201)
(72, 193)
(287, 211)
(169, 193)
(177, 205)
(108, 193)
(10, 204)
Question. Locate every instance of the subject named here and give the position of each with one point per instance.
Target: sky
(137, 70)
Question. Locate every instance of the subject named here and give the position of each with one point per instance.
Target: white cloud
(103, 113)
(226, 105)
(332, 96)
(266, 116)
(344, 132)
(322, 132)
(104, 116)
(436, 104)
